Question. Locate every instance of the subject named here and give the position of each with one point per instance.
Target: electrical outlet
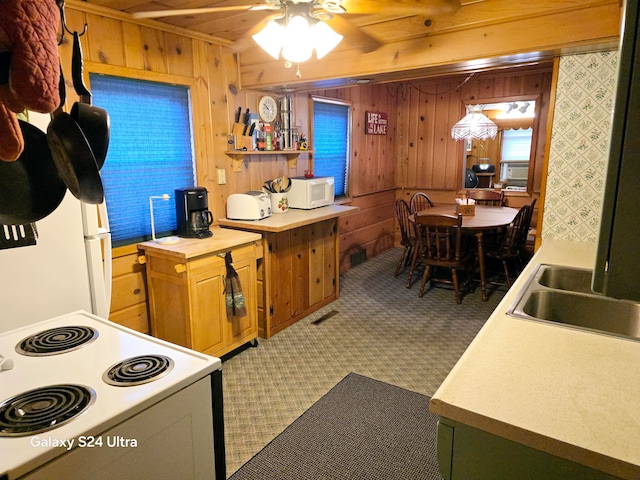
(222, 176)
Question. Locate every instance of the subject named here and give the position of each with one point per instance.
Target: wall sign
(376, 123)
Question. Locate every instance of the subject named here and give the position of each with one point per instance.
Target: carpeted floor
(361, 429)
(381, 330)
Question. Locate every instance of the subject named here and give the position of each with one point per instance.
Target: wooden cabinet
(299, 269)
(187, 292)
(298, 274)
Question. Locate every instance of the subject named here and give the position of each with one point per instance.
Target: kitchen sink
(563, 296)
(566, 278)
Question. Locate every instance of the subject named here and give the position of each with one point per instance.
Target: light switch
(222, 176)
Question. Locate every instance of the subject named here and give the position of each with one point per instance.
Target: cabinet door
(242, 329)
(208, 314)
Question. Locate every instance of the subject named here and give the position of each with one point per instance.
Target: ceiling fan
(330, 12)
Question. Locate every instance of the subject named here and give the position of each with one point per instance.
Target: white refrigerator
(68, 269)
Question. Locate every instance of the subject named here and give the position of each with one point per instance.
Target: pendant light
(474, 125)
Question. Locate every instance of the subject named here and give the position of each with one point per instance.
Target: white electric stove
(82, 397)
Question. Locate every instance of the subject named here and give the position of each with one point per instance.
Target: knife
(252, 129)
(238, 114)
(247, 116)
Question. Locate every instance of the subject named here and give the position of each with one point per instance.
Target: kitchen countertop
(294, 218)
(222, 239)
(571, 393)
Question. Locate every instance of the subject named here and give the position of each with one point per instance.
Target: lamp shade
(325, 39)
(297, 45)
(270, 38)
(474, 125)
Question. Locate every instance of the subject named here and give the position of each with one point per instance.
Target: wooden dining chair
(420, 201)
(407, 233)
(508, 250)
(441, 246)
(487, 197)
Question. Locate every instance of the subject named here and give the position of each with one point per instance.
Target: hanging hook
(63, 20)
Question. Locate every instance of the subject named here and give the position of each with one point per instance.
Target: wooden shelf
(237, 156)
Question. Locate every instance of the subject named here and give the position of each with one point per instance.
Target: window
(331, 141)
(515, 155)
(516, 144)
(150, 153)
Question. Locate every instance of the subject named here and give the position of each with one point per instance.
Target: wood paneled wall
(416, 154)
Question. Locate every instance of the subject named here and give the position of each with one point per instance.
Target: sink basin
(591, 312)
(563, 296)
(566, 278)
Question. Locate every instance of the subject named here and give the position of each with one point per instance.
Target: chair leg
(402, 262)
(506, 273)
(425, 277)
(414, 259)
(456, 287)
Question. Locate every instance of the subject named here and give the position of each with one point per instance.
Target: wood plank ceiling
(480, 35)
(235, 26)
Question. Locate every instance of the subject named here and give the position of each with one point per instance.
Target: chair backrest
(487, 197)
(420, 201)
(440, 237)
(406, 228)
(515, 236)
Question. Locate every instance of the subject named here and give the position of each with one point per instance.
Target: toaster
(253, 205)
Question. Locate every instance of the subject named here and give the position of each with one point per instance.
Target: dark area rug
(361, 429)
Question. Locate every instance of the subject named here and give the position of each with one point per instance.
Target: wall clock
(268, 109)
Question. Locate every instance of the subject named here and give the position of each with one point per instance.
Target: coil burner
(56, 340)
(43, 409)
(138, 370)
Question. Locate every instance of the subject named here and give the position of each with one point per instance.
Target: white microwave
(307, 193)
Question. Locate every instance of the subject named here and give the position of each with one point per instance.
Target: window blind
(331, 142)
(516, 144)
(150, 153)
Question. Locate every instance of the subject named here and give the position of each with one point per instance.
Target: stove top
(94, 350)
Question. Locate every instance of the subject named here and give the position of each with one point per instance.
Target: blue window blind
(150, 153)
(331, 142)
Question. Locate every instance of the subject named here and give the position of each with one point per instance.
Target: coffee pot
(193, 217)
(200, 220)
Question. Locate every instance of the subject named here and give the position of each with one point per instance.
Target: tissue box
(466, 210)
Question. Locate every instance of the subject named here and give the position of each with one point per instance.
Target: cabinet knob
(180, 268)
(142, 259)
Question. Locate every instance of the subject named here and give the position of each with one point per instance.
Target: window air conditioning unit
(517, 172)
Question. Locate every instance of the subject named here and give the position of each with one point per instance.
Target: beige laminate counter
(571, 393)
(294, 218)
(222, 239)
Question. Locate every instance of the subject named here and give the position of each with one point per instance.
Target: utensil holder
(279, 202)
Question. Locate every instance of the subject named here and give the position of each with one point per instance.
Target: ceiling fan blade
(353, 34)
(197, 11)
(399, 7)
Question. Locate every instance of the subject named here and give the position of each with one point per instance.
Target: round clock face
(268, 109)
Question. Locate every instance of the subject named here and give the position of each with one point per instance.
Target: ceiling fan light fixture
(325, 39)
(297, 41)
(474, 125)
(270, 38)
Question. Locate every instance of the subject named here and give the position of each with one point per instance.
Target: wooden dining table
(487, 218)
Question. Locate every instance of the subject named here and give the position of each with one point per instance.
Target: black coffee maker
(192, 212)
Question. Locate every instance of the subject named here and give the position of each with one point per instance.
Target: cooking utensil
(72, 153)
(93, 121)
(285, 183)
(12, 236)
(30, 187)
